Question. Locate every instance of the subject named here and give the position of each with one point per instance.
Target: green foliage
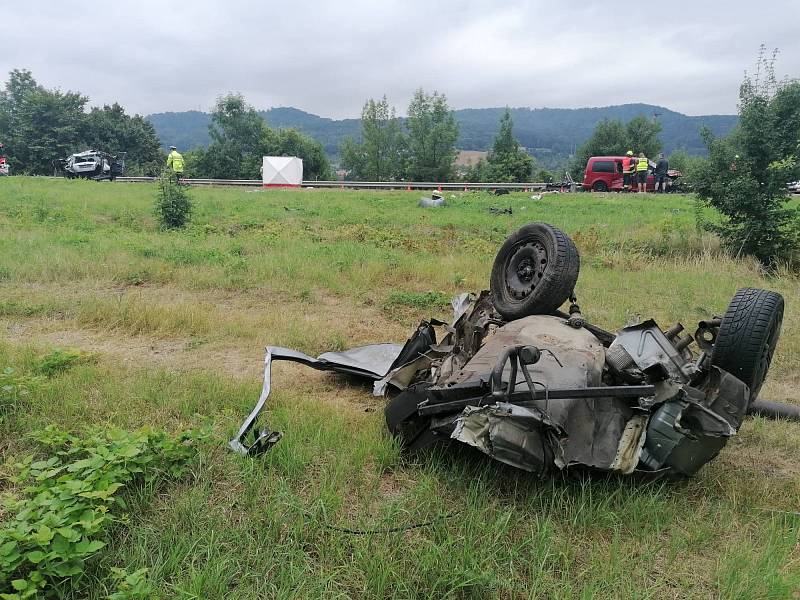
(612, 137)
(381, 154)
(431, 299)
(550, 134)
(71, 495)
(508, 161)
(290, 142)
(641, 135)
(14, 388)
(38, 126)
(432, 135)
(545, 176)
(746, 173)
(131, 586)
(59, 361)
(240, 138)
(110, 129)
(173, 206)
(41, 126)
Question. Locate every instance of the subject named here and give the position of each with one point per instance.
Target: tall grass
(171, 315)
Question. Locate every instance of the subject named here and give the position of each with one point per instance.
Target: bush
(173, 205)
(745, 175)
(71, 496)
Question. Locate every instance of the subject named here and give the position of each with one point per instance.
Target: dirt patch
(241, 361)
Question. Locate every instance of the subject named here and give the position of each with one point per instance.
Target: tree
(39, 126)
(290, 142)
(641, 135)
(237, 135)
(507, 160)
(609, 139)
(612, 137)
(745, 174)
(432, 135)
(241, 138)
(110, 129)
(381, 154)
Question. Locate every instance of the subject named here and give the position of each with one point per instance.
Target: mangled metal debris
(435, 200)
(544, 391)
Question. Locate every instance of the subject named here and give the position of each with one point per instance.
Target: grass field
(174, 325)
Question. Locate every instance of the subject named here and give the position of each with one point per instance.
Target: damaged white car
(544, 390)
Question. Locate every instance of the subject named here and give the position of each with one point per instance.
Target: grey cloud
(328, 57)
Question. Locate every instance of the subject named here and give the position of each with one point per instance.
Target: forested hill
(554, 132)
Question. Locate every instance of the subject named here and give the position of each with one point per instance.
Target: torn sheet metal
(264, 439)
(374, 361)
(630, 445)
(518, 436)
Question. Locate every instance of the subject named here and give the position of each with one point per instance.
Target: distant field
(176, 323)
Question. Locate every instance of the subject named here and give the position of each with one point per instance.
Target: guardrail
(372, 185)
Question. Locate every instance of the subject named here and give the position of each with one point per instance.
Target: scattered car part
(775, 410)
(94, 164)
(431, 202)
(501, 211)
(534, 272)
(543, 390)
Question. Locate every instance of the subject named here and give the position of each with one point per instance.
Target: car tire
(534, 272)
(600, 186)
(747, 336)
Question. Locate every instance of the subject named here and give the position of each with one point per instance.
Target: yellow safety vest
(642, 165)
(175, 161)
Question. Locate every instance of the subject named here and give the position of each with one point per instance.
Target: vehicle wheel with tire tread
(600, 186)
(534, 272)
(747, 336)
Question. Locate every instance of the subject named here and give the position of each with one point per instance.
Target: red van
(604, 174)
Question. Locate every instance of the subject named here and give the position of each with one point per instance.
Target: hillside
(550, 133)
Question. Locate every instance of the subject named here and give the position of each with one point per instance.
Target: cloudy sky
(327, 57)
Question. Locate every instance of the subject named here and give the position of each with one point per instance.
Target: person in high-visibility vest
(642, 165)
(175, 162)
(628, 169)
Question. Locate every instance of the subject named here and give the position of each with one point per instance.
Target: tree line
(40, 126)
(422, 147)
(240, 138)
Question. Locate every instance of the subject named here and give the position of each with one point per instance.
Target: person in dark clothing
(662, 166)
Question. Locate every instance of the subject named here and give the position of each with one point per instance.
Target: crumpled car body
(547, 392)
(94, 164)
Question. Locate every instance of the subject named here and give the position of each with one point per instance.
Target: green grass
(174, 324)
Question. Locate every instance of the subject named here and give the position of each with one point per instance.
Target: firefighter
(642, 165)
(175, 162)
(628, 166)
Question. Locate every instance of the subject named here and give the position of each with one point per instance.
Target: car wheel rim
(525, 269)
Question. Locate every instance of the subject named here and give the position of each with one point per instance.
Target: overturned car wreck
(544, 390)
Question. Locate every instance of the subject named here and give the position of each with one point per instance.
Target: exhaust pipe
(775, 410)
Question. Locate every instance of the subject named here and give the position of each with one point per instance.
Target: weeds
(15, 388)
(59, 361)
(71, 497)
(421, 300)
